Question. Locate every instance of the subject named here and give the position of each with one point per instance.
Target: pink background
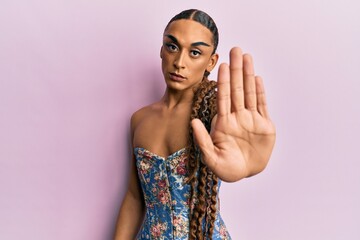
(72, 72)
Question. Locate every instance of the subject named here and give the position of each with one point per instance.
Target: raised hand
(242, 135)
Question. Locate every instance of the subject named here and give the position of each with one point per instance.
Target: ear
(212, 62)
(161, 52)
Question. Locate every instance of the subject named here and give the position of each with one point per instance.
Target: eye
(171, 47)
(195, 53)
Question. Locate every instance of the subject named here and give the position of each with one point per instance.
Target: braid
(208, 201)
(214, 192)
(201, 207)
(203, 182)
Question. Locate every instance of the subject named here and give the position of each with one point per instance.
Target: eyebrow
(193, 44)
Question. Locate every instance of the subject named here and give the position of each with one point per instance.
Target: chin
(174, 85)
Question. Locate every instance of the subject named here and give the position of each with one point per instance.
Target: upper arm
(134, 187)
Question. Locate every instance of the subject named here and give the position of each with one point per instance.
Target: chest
(163, 134)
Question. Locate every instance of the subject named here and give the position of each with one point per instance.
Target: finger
(204, 141)
(223, 94)
(249, 83)
(261, 98)
(236, 76)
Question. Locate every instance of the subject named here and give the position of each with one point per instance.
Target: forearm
(130, 218)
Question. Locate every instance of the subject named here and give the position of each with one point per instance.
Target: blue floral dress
(167, 197)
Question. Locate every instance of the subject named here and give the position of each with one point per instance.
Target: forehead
(189, 31)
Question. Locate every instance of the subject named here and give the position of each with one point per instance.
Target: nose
(180, 60)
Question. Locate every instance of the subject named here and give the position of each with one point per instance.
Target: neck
(173, 98)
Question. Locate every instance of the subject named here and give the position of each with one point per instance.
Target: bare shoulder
(144, 112)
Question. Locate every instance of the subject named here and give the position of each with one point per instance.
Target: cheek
(200, 67)
(166, 58)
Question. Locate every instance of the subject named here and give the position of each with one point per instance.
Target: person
(198, 134)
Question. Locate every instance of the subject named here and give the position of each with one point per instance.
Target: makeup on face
(186, 53)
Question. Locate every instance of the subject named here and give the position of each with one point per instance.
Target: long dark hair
(203, 197)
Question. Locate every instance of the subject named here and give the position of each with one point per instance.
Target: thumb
(204, 141)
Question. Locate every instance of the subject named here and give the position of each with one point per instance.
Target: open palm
(242, 135)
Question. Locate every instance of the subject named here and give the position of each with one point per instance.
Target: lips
(177, 77)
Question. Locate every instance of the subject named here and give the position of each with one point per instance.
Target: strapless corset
(166, 195)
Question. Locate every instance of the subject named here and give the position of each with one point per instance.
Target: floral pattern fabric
(167, 197)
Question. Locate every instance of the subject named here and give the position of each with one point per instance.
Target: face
(186, 54)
